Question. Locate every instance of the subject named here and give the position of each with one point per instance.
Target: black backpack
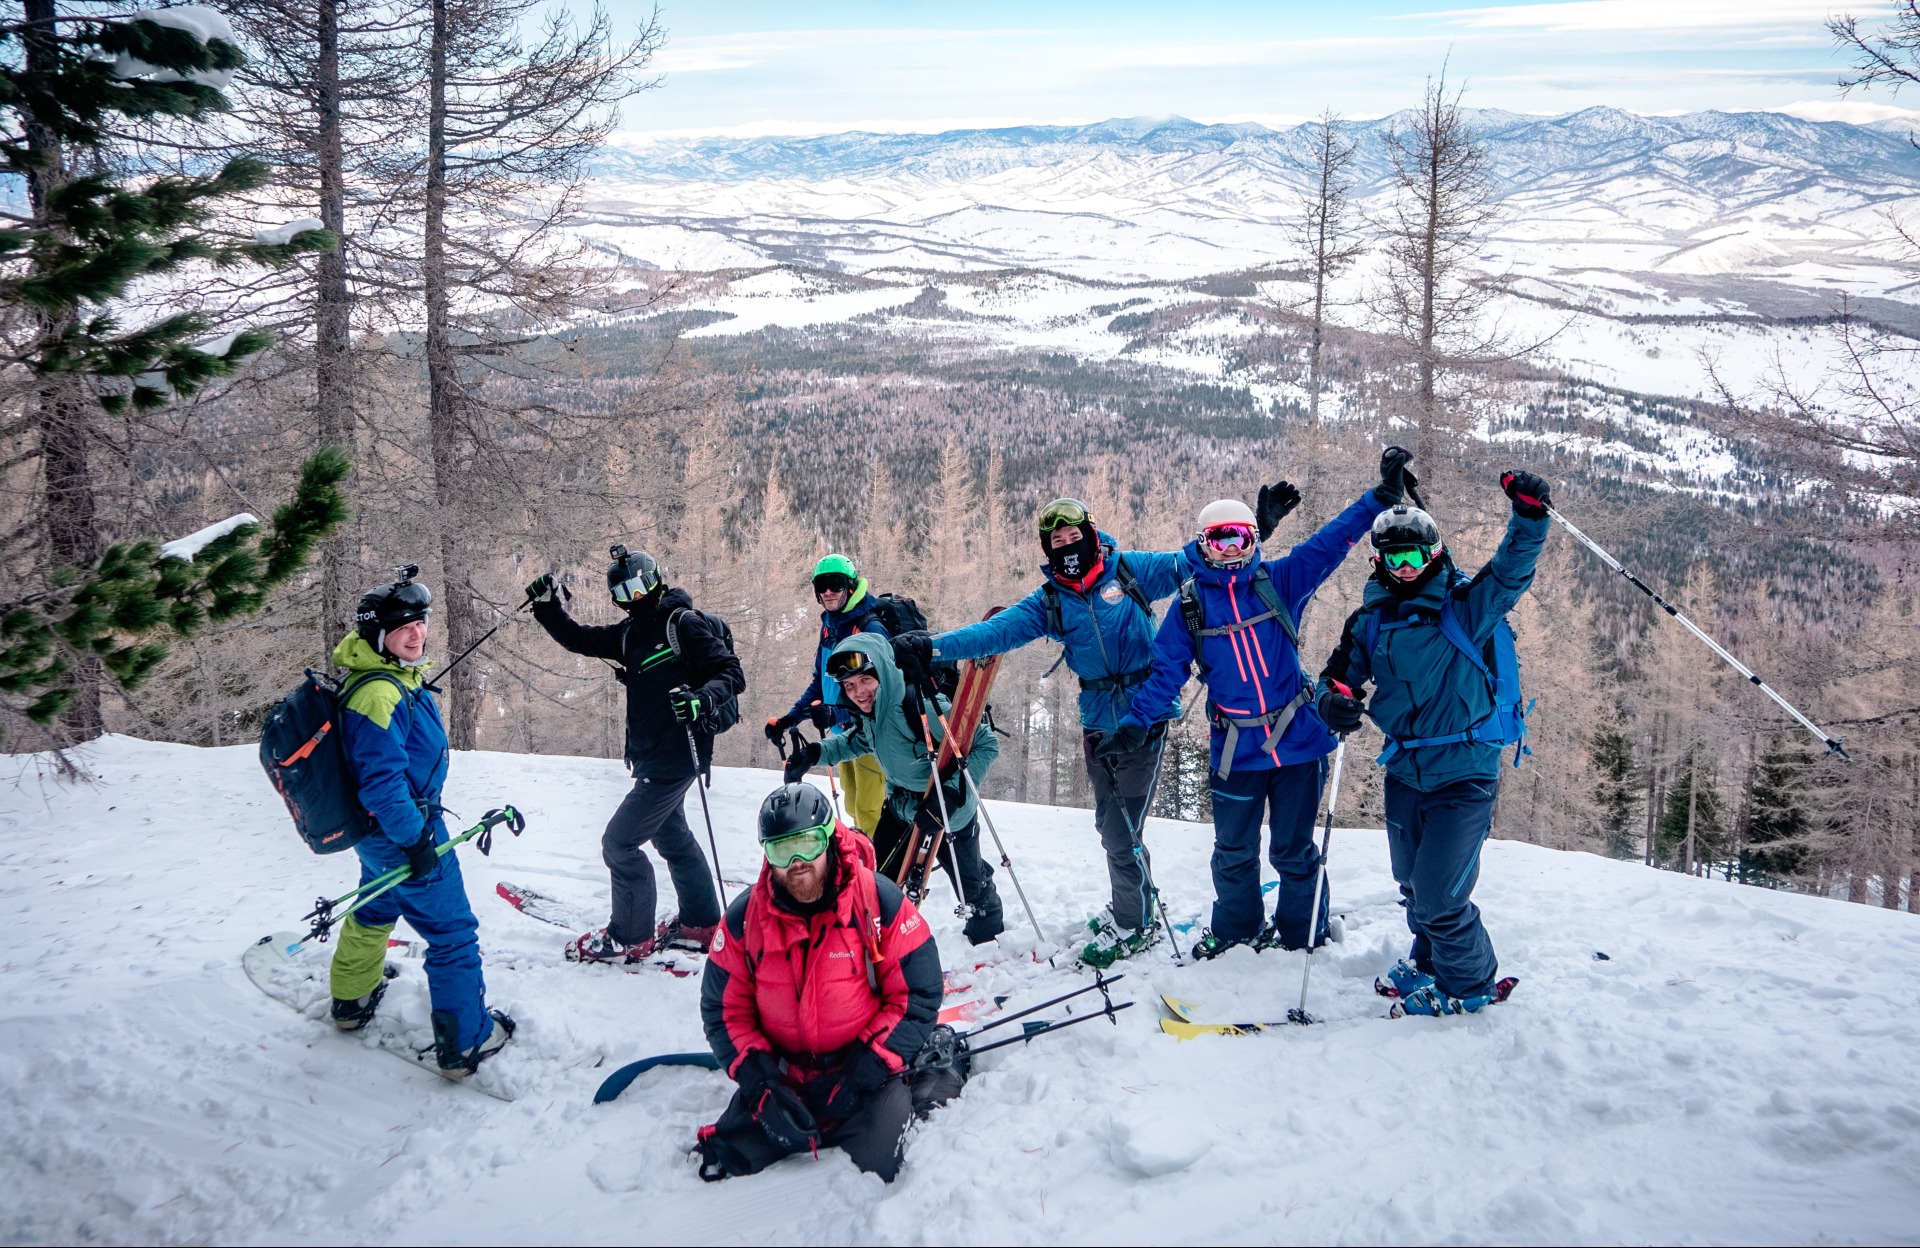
(303, 750)
(725, 713)
(902, 614)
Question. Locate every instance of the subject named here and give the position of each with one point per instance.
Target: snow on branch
(204, 24)
(280, 235)
(185, 548)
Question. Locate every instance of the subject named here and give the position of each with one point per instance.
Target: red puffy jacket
(806, 989)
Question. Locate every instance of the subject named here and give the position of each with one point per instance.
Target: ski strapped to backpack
(1506, 723)
(1275, 721)
(304, 753)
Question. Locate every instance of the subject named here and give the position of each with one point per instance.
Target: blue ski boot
(1433, 1003)
(1403, 980)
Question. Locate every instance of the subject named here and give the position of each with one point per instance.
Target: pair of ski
(1184, 1026)
(679, 961)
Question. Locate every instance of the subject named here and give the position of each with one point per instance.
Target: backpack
(725, 713)
(1276, 721)
(902, 614)
(303, 751)
(1499, 663)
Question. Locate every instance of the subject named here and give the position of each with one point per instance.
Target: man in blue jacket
(1097, 602)
(397, 749)
(1429, 697)
(847, 606)
(1239, 617)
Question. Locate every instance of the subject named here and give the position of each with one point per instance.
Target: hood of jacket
(1218, 578)
(893, 686)
(356, 654)
(856, 900)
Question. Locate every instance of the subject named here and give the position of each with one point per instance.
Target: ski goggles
(832, 583)
(1411, 557)
(1063, 511)
(635, 587)
(802, 846)
(1235, 537)
(844, 663)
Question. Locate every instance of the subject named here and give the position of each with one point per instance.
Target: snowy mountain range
(1770, 201)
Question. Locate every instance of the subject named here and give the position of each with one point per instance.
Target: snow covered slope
(1739, 1069)
(1788, 205)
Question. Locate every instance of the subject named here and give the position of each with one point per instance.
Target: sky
(756, 67)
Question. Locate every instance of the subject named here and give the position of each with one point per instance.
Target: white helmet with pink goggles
(1228, 534)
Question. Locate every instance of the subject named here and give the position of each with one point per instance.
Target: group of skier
(823, 984)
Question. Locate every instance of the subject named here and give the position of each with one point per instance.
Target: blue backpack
(1506, 724)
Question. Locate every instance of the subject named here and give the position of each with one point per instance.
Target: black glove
(821, 714)
(1128, 738)
(1277, 501)
(1340, 709)
(862, 1076)
(776, 1108)
(542, 589)
(422, 857)
(777, 726)
(953, 792)
(913, 655)
(1393, 475)
(802, 760)
(687, 705)
(1528, 492)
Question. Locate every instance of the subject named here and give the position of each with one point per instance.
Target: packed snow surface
(1738, 1068)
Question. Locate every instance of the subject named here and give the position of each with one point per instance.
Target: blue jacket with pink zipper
(1254, 671)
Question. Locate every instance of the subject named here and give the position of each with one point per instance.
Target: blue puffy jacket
(395, 744)
(1106, 634)
(1255, 671)
(862, 614)
(1423, 685)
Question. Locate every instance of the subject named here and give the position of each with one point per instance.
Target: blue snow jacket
(862, 614)
(1255, 671)
(395, 743)
(1108, 638)
(1423, 685)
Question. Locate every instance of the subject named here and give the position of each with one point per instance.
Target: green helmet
(837, 563)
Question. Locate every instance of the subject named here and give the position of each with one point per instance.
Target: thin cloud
(1636, 15)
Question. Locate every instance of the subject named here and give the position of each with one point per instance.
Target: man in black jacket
(675, 667)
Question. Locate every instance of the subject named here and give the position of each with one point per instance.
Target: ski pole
(980, 804)
(1134, 832)
(1100, 984)
(1050, 1025)
(324, 913)
(1834, 744)
(1300, 1015)
(693, 752)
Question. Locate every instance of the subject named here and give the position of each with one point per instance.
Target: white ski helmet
(1226, 511)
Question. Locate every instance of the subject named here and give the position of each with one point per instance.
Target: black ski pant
(975, 884)
(655, 810)
(873, 1135)
(1433, 841)
(1120, 790)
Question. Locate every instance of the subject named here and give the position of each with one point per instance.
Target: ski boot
(673, 934)
(455, 1064)
(353, 1013)
(600, 946)
(1334, 933)
(1432, 1003)
(1111, 942)
(1403, 980)
(1209, 946)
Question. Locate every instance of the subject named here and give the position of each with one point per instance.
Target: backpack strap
(1130, 584)
(1056, 624)
(1269, 598)
(1275, 722)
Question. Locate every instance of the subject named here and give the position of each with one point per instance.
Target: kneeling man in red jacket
(823, 985)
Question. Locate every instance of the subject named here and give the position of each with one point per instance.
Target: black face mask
(1073, 561)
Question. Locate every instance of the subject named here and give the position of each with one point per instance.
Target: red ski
(958, 726)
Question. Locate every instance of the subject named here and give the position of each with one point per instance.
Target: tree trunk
(443, 404)
(1429, 283)
(1693, 799)
(333, 366)
(61, 412)
(1653, 796)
